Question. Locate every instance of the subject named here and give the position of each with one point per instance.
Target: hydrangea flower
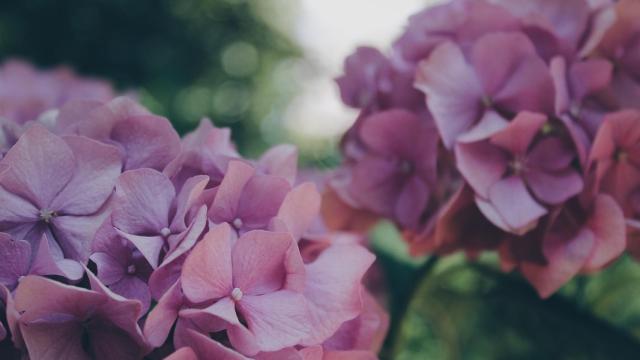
(532, 102)
(518, 171)
(57, 186)
(77, 323)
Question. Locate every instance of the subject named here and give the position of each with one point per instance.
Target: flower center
(237, 223)
(487, 101)
(517, 166)
(622, 156)
(165, 232)
(236, 294)
(46, 215)
(406, 167)
(131, 269)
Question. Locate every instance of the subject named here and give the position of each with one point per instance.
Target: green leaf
(472, 311)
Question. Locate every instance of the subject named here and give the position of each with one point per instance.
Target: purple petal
(452, 89)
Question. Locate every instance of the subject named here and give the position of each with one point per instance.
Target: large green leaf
(472, 311)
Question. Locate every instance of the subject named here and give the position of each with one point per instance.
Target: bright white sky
(328, 31)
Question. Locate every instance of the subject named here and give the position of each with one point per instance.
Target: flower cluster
(119, 240)
(500, 125)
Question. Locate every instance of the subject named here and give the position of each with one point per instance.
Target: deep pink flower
(239, 192)
(577, 239)
(20, 259)
(121, 266)
(205, 151)
(472, 93)
(76, 323)
(370, 82)
(394, 178)
(518, 171)
(160, 222)
(57, 186)
(145, 140)
(258, 277)
(26, 92)
(460, 21)
(621, 46)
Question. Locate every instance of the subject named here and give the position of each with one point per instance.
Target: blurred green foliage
(186, 59)
(472, 311)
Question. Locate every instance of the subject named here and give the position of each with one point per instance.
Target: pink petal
(160, 320)
(565, 256)
(206, 347)
(259, 261)
(517, 137)
(299, 209)
(277, 319)
(142, 202)
(74, 234)
(133, 288)
(608, 225)
(555, 188)
(495, 56)
(149, 141)
(282, 161)
(260, 200)
(97, 168)
(412, 202)
(16, 256)
(452, 89)
(225, 204)
(481, 164)
(149, 246)
(40, 166)
(514, 204)
(490, 123)
(185, 353)
(206, 273)
(333, 289)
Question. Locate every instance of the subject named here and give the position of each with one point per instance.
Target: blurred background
(262, 67)
(265, 68)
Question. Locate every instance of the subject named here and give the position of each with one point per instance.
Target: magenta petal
(149, 246)
(565, 259)
(260, 200)
(495, 56)
(299, 209)
(608, 225)
(40, 166)
(53, 341)
(554, 188)
(45, 262)
(15, 209)
(16, 256)
(206, 347)
(490, 123)
(333, 289)
(149, 141)
(280, 160)
(411, 203)
(206, 273)
(551, 154)
(514, 203)
(160, 320)
(134, 288)
(590, 76)
(225, 204)
(110, 270)
(452, 89)
(518, 135)
(74, 234)
(184, 353)
(97, 168)
(277, 320)
(259, 261)
(142, 202)
(481, 164)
